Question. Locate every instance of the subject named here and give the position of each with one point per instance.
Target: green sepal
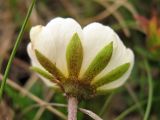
(74, 56)
(99, 62)
(48, 76)
(112, 75)
(100, 91)
(43, 73)
(49, 66)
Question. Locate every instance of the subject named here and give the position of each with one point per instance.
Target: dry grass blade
(90, 113)
(31, 81)
(134, 97)
(106, 13)
(6, 113)
(117, 15)
(6, 28)
(122, 23)
(18, 62)
(45, 11)
(85, 111)
(34, 98)
(42, 109)
(130, 8)
(71, 9)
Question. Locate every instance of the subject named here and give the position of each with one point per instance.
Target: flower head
(82, 62)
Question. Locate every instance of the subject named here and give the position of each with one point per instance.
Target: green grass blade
(150, 93)
(106, 104)
(134, 108)
(18, 40)
(148, 101)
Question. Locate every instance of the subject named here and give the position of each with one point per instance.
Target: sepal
(49, 66)
(112, 75)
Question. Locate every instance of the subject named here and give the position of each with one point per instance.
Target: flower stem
(72, 108)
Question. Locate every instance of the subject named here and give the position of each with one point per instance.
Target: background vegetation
(138, 24)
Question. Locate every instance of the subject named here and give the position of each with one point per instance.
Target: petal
(52, 40)
(62, 31)
(117, 59)
(98, 63)
(96, 37)
(32, 55)
(129, 57)
(34, 62)
(41, 39)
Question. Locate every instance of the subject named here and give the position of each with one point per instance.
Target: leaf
(112, 75)
(99, 62)
(49, 66)
(74, 56)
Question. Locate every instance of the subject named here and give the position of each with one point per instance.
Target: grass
(18, 40)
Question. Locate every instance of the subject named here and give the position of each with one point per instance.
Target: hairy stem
(72, 108)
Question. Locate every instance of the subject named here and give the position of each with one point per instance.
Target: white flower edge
(119, 82)
(52, 40)
(96, 36)
(35, 62)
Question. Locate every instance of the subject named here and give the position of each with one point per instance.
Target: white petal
(117, 59)
(129, 57)
(96, 36)
(63, 36)
(42, 40)
(36, 64)
(52, 40)
(32, 55)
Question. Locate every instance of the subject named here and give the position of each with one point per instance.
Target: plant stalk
(72, 108)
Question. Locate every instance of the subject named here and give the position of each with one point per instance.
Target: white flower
(94, 55)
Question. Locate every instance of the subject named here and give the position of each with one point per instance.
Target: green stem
(133, 108)
(150, 93)
(106, 104)
(18, 40)
(134, 97)
(149, 101)
(129, 110)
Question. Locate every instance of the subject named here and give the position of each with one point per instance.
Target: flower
(82, 62)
